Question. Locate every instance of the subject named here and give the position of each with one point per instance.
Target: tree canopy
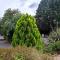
(9, 20)
(49, 11)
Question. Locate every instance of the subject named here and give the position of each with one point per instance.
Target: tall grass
(23, 53)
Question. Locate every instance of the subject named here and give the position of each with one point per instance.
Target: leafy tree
(26, 33)
(49, 11)
(9, 20)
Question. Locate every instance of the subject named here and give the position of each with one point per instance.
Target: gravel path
(4, 43)
(57, 57)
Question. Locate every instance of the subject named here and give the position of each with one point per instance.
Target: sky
(25, 6)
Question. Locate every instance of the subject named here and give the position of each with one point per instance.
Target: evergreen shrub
(26, 33)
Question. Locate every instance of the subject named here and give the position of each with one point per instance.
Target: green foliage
(54, 36)
(19, 57)
(0, 25)
(26, 33)
(49, 12)
(9, 21)
(53, 47)
(54, 42)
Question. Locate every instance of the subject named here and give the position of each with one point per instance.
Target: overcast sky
(25, 6)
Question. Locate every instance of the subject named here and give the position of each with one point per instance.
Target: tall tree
(9, 20)
(49, 11)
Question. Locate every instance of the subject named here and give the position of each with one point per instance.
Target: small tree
(26, 33)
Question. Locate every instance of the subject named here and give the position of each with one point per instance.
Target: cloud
(25, 6)
(22, 2)
(33, 5)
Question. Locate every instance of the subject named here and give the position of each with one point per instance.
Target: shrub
(54, 47)
(54, 36)
(54, 42)
(26, 33)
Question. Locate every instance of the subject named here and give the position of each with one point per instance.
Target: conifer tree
(26, 33)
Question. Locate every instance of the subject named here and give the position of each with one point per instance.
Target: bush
(54, 42)
(26, 33)
(54, 47)
(54, 36)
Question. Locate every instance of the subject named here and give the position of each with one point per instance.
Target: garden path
(4, 43)
(57, 57)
